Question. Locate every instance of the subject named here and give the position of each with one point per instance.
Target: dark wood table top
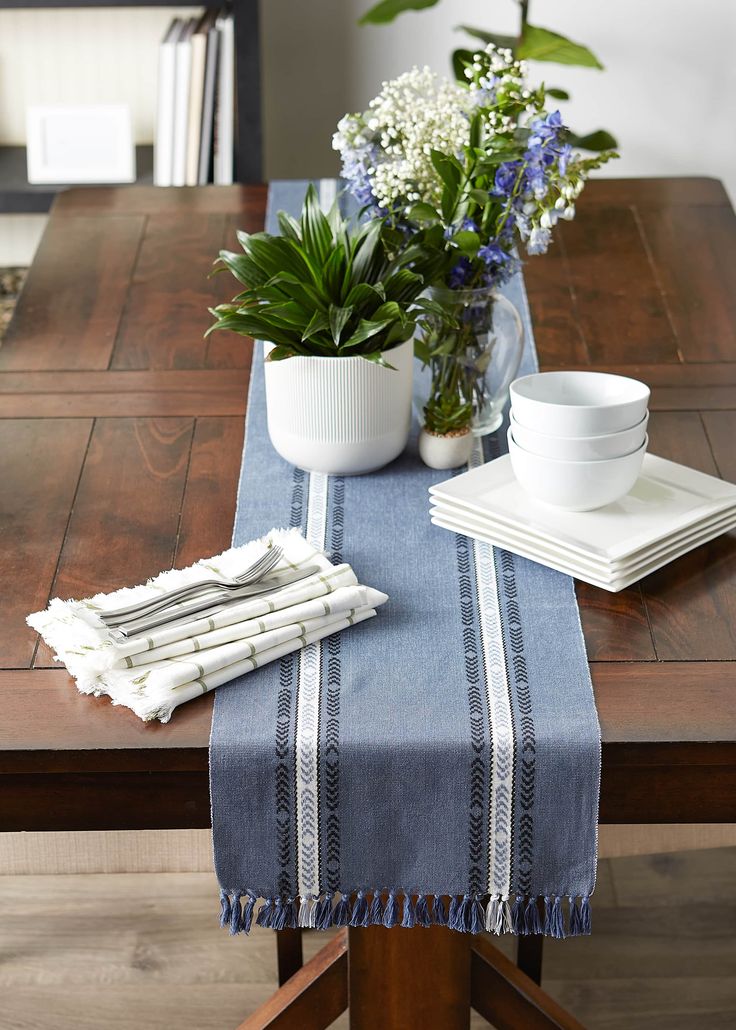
(120, 439)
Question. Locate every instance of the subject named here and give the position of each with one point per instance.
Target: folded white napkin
(154, 674)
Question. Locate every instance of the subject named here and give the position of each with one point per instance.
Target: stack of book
(196, 102)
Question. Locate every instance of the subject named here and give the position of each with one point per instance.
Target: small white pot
(343, 416)
(445, 452)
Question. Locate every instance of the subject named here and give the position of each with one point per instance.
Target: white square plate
(667, 499)
(614, 581)
(720, 522)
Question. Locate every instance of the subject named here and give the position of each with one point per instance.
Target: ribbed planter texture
(342, 416)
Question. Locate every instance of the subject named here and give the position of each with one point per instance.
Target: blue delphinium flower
(459, 274)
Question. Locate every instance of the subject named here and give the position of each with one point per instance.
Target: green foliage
(322, 288)
(597, 141)
(387, 10)
(538, 44)
(447, 413)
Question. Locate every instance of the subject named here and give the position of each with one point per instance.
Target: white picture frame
(70, 145)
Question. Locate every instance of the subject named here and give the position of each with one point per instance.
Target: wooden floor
(143, 951)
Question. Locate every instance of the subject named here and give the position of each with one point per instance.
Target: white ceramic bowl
(578, 403)
(575, 485)
(580, 448)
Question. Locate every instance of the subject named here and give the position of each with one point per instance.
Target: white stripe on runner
(327, 193)
(307, 718)
(499, 709)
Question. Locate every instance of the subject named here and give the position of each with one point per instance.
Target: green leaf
(461, 58)
(279, 353)
(475, 130)
(558, 94)
(390, 311)
(480, 197)
(318, 323)
(366, 294)
(387, 10)
(366, 329)
(503, 42)
(333, 273)
(289, 226)
(423, 212)
(365, 253)
(377, 358)
(316, 228)
(339, 317)
(448, 168)
(539, 44)
(244, 268)
(598, 140)
(403, 286)
(466, 241)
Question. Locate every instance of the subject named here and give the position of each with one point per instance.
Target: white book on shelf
(196, 95)
(208, 106)
(163, 146)
(225, 123)
(181, 102)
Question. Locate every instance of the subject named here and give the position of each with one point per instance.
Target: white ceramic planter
(343, 416)
(445, 452)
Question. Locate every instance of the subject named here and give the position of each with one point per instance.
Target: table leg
(409, 979)
(288, 953)
(529, 952)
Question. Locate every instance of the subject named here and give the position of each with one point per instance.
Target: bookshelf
(17, 196)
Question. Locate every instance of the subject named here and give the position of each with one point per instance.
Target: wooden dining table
(121, 431)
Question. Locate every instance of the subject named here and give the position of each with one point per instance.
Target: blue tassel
(236, 923)
(375, 915)
(422, 912)
(585, 915)
(579, 917)
(453, 919)
(341, 915)
(547, 917)
(323, 913)
(517, 916)
(408, 920)
(291, 914)
(225, 909)
(265, 914)
(359, 916)
(476, 913)
(531, 917)
(439, 914)
(461, 920)
(247, 916)
(277, 919)
(391, 912)
(557, 923)
(574, 918)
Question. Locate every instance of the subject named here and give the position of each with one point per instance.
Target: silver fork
(255, 572)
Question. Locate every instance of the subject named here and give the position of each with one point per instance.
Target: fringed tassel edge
(465, 913)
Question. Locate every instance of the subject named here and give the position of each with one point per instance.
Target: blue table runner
(437, 764)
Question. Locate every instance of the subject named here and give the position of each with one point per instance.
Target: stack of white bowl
(577, 439)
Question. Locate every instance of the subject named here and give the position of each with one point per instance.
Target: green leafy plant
(533, 43)
(324, 287)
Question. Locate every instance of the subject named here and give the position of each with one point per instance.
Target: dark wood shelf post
(249, 120)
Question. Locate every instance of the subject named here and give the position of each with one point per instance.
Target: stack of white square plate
(670, 510)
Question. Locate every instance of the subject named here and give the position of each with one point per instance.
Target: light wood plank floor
(144, 952)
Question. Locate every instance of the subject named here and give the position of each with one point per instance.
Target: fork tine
(262, 566)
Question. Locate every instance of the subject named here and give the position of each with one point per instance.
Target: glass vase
(480, 339)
